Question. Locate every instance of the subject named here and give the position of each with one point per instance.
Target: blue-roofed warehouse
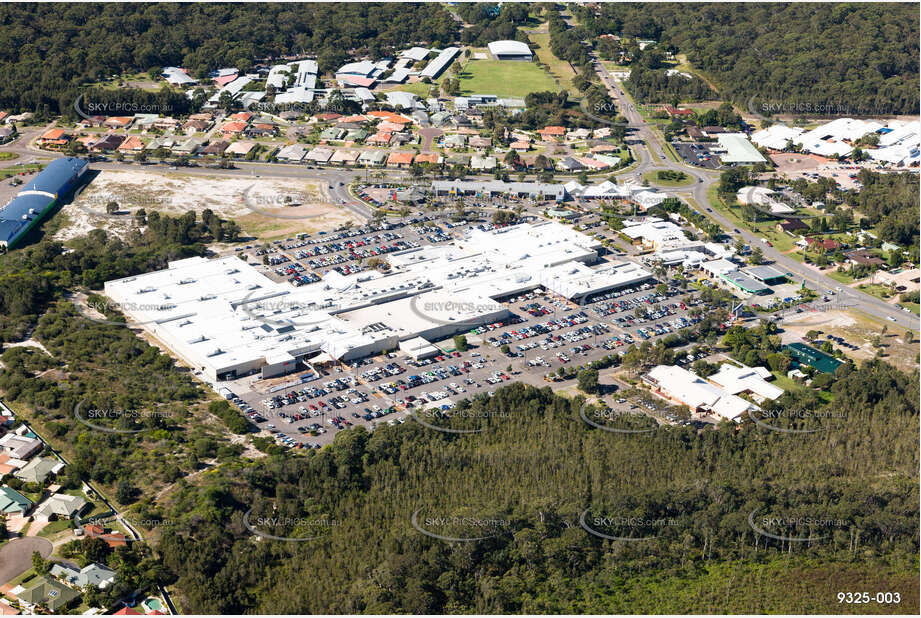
(37, 198)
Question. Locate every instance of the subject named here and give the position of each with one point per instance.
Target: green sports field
(505, 78)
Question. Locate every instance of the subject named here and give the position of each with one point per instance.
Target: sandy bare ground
(858, 330)
(262, 207)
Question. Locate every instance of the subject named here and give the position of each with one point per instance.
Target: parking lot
(306, 258)
(698, 154)
(544, 333)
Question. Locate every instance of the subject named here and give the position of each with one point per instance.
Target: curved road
(16, 556)
(653, 157)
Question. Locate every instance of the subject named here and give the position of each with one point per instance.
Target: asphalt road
(658, 160)
(16, 556)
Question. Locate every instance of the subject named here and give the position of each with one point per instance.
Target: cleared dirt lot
(300, 205)
(793, 165)
(858, 330)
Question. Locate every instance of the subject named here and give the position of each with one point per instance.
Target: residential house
(189, 146)
(8, 464)
(293, 153)
(232, 129)
(240, 149)
(54, 138)
(458, 159)
(112, 539)
(13, 503)
(242, 117)
(569, 164)
(131, 145)
(118, 122)
(400, 159)
(428, 157)
(455, 141)
(59, 506)
(38, 470)
(262, 129)
(863, 257)
(480, 143)
(380, 139)
(166, 124)
(372, 158)
(344, 157)
(48, 593)
(552, 133)
(332, 134)
(483, 163)
(792, 226)
(675, 112)
(823, 244)
(93, 574)
(215, 148)
(520, 146)
(196, 126)
(592, 164)
(356, 135)
(108, 143)
(531, 162)
(319, 155)
(7, 134)
(20, 447)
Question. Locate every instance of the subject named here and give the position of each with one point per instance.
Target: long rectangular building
(226, 319)
(38, 197)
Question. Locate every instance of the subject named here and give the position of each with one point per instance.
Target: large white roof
(224, 314)
(776, 136)
(510, 48)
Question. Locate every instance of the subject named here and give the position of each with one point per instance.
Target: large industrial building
(38, 197)
(226, 319)
(510, 50)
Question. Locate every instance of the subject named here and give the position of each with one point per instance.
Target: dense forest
(490, 22)
(657, 86)
(890, 201)
(846, 58)
(48, 50)
(369, 501)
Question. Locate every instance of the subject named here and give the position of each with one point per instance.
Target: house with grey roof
(93, 574)
(38, 469)
(59, 506)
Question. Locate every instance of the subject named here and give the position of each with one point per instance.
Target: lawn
(654, 180)
(560, 69)
(7, 156)
(913, 307)
(879, 291)
(840, 277)
(15, 170)
(55, 527)
(505, 78)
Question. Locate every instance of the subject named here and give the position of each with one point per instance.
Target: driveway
(16, 556)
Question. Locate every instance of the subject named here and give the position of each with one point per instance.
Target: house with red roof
(380, 138)
(400, 159)
(233, 128)
(551, 133)
(676, 112)
(826, 244)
